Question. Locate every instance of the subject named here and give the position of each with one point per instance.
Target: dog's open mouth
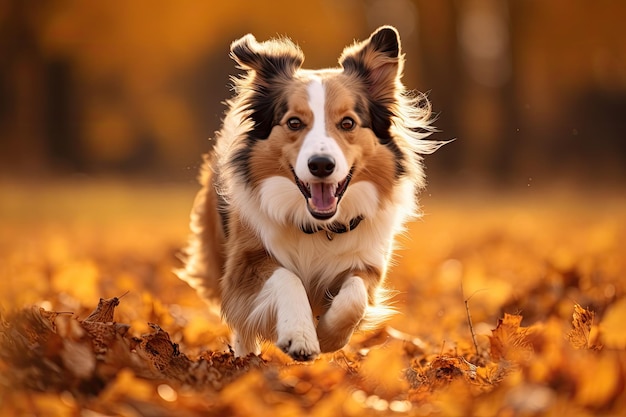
(322, 198)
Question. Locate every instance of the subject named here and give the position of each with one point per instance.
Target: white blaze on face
(321, 154)
(317, 142)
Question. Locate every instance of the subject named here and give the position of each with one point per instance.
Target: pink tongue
(322, 198)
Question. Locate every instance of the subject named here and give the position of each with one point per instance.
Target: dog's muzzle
(322, 198)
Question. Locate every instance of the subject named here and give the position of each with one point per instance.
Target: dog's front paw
(300, 347)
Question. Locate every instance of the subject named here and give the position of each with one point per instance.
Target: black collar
(335, 227)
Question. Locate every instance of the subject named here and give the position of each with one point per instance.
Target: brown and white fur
(311, 176)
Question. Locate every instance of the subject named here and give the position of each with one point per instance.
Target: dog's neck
(333, 228)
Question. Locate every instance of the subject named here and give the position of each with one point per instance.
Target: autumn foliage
(508, 306)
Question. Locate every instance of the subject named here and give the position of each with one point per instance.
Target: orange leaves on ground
(387, 371)
(58, 352)
(160, 351)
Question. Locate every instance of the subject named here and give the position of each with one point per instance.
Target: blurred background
(533, 90)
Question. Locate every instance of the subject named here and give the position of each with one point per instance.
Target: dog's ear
(270, 59)
(268, 64)
(378, 61)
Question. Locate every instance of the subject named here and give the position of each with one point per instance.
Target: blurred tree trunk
(21, 77)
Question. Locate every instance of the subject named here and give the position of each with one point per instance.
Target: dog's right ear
(269, 59)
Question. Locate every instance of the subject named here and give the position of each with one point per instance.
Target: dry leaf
(442, 371)
(157, 348)
(582, 321)
(447, 368)
(509, 341)
(105, 310)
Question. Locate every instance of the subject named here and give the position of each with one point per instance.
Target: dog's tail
(203, 257)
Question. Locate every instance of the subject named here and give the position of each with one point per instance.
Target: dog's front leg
(346, 311)
(284, 299)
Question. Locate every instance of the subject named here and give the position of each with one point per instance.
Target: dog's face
(322, 145)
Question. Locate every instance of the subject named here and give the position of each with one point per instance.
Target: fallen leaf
(157, 348)
(105, 310)
(509, 341)
(579, 336)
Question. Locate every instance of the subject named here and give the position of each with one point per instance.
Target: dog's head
(341, 138)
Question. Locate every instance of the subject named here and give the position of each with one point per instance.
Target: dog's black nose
(321, 165)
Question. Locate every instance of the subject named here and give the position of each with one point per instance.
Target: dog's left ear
(378, 60)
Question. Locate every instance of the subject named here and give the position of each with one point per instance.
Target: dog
(311, 177)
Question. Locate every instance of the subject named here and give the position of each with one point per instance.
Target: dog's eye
(347, 124)
(295, 124)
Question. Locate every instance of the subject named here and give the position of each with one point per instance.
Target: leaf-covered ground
(93, 321)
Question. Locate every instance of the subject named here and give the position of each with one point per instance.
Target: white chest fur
(278, 206)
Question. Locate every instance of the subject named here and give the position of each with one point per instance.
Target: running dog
(312, 175)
